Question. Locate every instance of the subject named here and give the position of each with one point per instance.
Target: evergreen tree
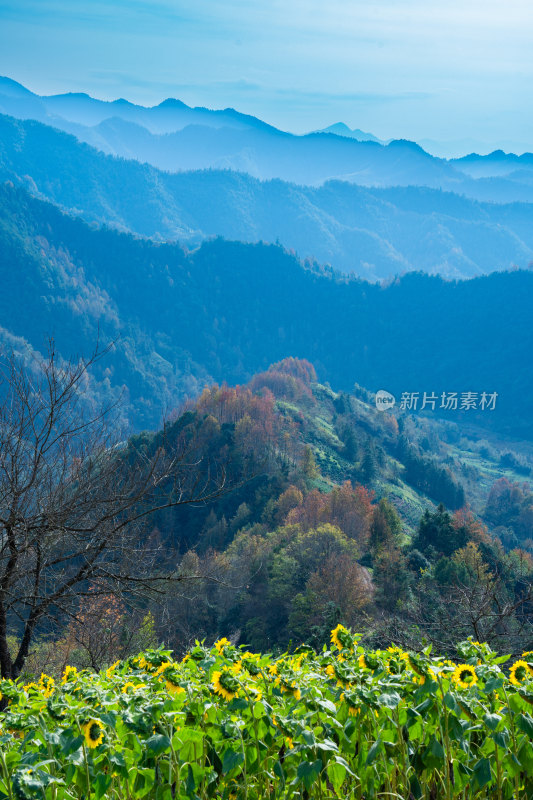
(350, 443)
(437, 533)
(368, 465)
(385, 528)
(309, 467)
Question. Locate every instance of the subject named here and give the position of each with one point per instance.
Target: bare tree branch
(74, 501)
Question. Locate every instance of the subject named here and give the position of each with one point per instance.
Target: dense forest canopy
(325, 519)
(226, 310)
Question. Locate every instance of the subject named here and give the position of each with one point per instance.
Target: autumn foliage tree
(349, 508)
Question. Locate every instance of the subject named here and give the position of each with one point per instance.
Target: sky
(416, 69)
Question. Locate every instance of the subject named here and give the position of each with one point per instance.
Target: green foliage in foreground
(225, 723)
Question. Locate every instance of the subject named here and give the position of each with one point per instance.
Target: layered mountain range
(173, 136)
(373, 232)
(205, 274)
(179, 319)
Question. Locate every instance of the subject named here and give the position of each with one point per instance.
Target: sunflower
(395, 667)
(70, 674)
(520, 672)
(93, 732)
(464, 676)
(421, 679)
(164, 666)
(221, 644)
(417, 665)
(250, 662)
(341, 638)
(225, 684)
(46, 684)
(361, 661)
(290, 688)
(296, 663)
(110, 670)
(353, 708)
(396, 660)
(132, 686)
(173, 688)
(333, 672)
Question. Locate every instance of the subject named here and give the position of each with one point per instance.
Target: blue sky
(398, 68)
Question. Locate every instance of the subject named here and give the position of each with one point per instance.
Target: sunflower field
(227, 723)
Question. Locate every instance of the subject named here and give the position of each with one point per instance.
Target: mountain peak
(407, 144)
(340, 126)
(341, 129)
(172, 102)
(71, 95)
(122, 102)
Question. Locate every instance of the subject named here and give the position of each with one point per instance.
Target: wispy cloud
(396, 67)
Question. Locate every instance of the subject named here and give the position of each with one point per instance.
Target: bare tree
(481, 601)
(73, 500)
(472, 600)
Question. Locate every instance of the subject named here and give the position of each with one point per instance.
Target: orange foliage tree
(348, 507)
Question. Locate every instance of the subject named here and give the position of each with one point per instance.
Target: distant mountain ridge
(175, 137)
(82, 109)
(227, 310)
(341, 129)
(376, 233)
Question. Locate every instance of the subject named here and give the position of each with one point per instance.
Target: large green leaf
(158, 743)
(482, 772)
(307, 772)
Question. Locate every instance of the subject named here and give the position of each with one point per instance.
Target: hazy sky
(398, 68)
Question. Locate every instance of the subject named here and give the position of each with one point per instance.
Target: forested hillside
(266, 430)
(227, 310)
(332, 512)
(375, 233)
(339, 522)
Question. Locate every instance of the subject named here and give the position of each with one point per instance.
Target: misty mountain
(497, 164)
(373, 232)
(227, 310)
(457, 148)
(341, 129)
(85, 111)
(172, 136)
